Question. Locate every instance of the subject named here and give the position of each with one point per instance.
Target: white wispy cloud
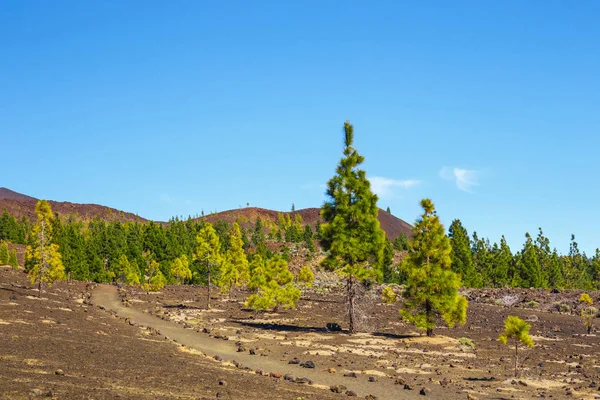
(465, 179)
(384, 187)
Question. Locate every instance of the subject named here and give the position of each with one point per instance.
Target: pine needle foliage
(274, 286)
(305, 276)
(235, 270)
(588, 312)
(207, 252)
(3, 253)
(517, 329)
(351, 233)
(12, 259)
(42, 256)
(180, 269)
(431, 286)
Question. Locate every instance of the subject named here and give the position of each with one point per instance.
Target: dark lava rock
(303, 381)
(372, 379)
(338, 388)
(294, 361)
(351, 374)
(308, 364)
(350, 393)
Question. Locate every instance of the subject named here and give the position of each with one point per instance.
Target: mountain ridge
(20, 205)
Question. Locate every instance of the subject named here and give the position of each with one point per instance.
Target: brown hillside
(7, 194)
(20, 208)
(392, 226)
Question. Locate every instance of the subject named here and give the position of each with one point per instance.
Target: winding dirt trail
(107, 296)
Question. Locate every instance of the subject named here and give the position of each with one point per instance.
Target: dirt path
(107, 296)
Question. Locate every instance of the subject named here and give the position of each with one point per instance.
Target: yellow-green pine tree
(235, 271)
(12, 259)
(278, 288)
(3, 253)
(305, 276)
(43, 256)
(588, 311)
(431, 285)
(207, 252)
(180, 269)
(516, 328)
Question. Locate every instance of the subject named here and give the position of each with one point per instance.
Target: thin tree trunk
(208, 300)
(428, 318)
(516, 358)
(351, 306)
(42, 261)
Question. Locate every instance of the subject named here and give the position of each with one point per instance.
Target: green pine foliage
(305, 276)
(401, 242)
(517, 329)
(180, 269)
(274, 286)
(12, 259)
(431, 286)
(461, 255)
(351, 233)
(208, 254)
(126, 272)
(3, 253)
(43, 259)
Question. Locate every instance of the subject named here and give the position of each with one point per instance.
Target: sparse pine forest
(242, 254)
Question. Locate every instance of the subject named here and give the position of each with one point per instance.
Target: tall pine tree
(431, 285)
(208, 254)
(462, 258)
(351, 233)
(42, 256)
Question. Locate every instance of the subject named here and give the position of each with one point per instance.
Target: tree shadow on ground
(284, 327)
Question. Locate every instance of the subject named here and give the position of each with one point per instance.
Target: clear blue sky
(167, 108)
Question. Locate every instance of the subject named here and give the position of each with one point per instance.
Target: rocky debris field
(60, 346)
(463, 362)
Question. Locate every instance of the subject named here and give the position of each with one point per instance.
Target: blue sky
(169, 108)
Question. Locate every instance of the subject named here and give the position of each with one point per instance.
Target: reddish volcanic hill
(7, 194)
(392, 226)
(20, 205)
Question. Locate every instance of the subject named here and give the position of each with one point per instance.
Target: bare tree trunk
(42, 261)
(516, 358)
(428, 317)
(351, 293)
(208, 300)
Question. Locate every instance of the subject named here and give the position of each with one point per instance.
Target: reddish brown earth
(105, 357)
(563, 364)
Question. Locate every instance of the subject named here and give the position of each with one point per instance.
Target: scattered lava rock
(308, 364)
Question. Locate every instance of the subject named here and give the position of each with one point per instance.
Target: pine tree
(157, 282)
(462, 258)
(180, 269)
(351, 233)
(305, 276)
(482, 261)
(258, 275)
(12, 259)
(401, 242)
(207, 253)
(42, 256)
(542, 247)
(515, 327)
(126, 272)
(528, 266)
(278, 288)
(502, 264)
(235, 270)
(555, 271)
(3, 253)
(388, 211)
(431, 287)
